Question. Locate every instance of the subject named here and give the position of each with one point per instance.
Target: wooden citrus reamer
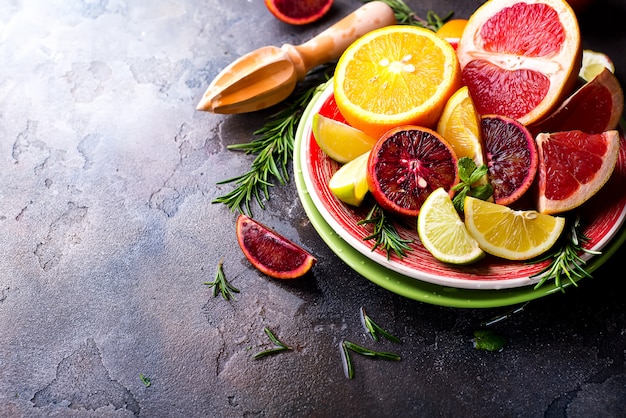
(267, 76)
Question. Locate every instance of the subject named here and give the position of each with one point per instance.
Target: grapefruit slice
(270, 252)
(573, 166)
(406, 165)
(298, 12)
(520, 58)
(594, 108)
(511, 157)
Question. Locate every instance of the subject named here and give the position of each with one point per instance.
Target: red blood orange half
(270, 252)
(511, 156)
(406, 165)
(520, 58)
(573, 166)
(298, 12)
(594, 108)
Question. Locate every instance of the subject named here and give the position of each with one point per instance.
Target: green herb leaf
(374, 329)
(385, 234)
(347, 346)
(488, 340)
(280, 346)
(145, 380)
(469, 174)
(406, 16)
(220, 285)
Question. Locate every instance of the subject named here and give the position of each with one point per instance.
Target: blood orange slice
(270, 252)
(406, 165)
(594, 108)
(573, 166)
(520, 58)
(511, 157)
(298, 12)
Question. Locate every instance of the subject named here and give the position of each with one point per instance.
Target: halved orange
(396, 75)
(270, 252)
(573, 166)
(520, 58)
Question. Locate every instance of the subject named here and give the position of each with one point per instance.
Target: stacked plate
(491, 282)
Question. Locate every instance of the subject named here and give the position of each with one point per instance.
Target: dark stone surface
(107, 174)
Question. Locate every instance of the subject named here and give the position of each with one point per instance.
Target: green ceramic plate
(413, 288)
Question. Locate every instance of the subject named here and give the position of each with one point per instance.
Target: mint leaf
(469, 174)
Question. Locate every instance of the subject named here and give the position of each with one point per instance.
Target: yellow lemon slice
(349, 183)
(511, 234)
(443, 232)
(593, 63)
(340, 141)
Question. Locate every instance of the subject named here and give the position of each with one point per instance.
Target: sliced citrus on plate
(573, 166)
(270, 252)
(594, 108)
(520, 59)
(298, 12)
(459, 124)
(406, 165)
(396, 75)
(340, 141)
(511, 234)
(511, 155)
(443, 233)
(349, 183)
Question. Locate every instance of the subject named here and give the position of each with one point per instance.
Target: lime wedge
(349, 183)
(443, 233)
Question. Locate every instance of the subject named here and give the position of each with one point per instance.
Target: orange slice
(396, 75)
(520, 58)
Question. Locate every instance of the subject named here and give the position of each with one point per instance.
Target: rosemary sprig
(385, 234)
(145, 380)
(280, 346)
(566, 262)
(273, 147)
(406, 16)
(374, 329)
(220, 285)
(347, 346)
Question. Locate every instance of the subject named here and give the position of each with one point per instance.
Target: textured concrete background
(107, 174)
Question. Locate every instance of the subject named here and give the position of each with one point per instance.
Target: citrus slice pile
(443, 233)
(520, 59)
(573, 167)
(511, 234)
(270, 252)
(406, 165)
(393, 76)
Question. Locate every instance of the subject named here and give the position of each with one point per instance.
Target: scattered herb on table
(280, 346)
(469, 174)
(145, 380)
(273, 147)
(565, 260)
(347, 346)
(489, 340)
(406, 16)
(374, 329)
(385, 234)
(220, 285)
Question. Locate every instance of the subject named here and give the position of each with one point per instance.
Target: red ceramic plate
(601, 217)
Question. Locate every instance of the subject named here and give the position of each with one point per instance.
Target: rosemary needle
(280, 346)
(220, 285)
(385, 234)
(347, 346)
(406, 16)
(374, 329)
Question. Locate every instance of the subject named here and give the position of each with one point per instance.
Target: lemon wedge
(340, 141)
(593, 63)
(443, 232)
(349, 183)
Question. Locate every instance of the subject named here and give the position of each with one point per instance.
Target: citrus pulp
(593, 63)
(520, 59)
(573, 166)
(270, 252)
(339, 141)
(406, 165)
(393, 76)
(443, 233)
(349, 183)
(298, 12)
(511, 234)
